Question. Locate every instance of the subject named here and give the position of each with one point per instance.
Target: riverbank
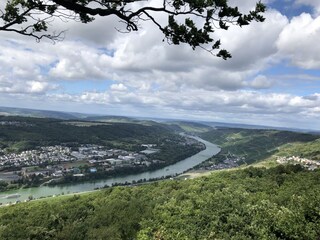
(132, 184)
(172, 170)
(267, 163)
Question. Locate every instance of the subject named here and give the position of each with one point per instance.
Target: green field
(190, 127)
(310, 150)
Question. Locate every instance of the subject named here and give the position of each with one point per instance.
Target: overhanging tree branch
(191, 22)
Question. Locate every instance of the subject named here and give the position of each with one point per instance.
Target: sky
(272, 79)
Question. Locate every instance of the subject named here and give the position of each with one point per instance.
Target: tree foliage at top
(189, 21)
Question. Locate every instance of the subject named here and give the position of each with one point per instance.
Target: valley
(233, 180)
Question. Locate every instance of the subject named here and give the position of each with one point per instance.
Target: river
(174, 169)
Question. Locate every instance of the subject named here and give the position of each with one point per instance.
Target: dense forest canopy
(190, 22)
(278, 203)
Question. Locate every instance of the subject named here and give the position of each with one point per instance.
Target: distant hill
(175, 124)
(188, 126)
(21, 133)
(120, 119)
(249, 126)
(110, 119)
(25, 112)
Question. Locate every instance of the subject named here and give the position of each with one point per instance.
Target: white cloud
(299, 41)
(38, 87)
(102, 31)
(240, 106)
(74, 60)
(260, 82)
(212, 102)
(253, 45)
(118, 87)
(26, 87)
(18, 60)
(143, 57)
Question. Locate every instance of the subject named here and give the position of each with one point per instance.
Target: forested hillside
(278, 203)
(20, 133)
(252, 145)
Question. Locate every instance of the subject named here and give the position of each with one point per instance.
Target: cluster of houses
(45, 155)
(230, 161)
(58, 160)
(16, 123)
(307, 163)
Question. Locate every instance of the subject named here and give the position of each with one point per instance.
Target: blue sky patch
(290, 8)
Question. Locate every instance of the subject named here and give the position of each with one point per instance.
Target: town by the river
(24, 194)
